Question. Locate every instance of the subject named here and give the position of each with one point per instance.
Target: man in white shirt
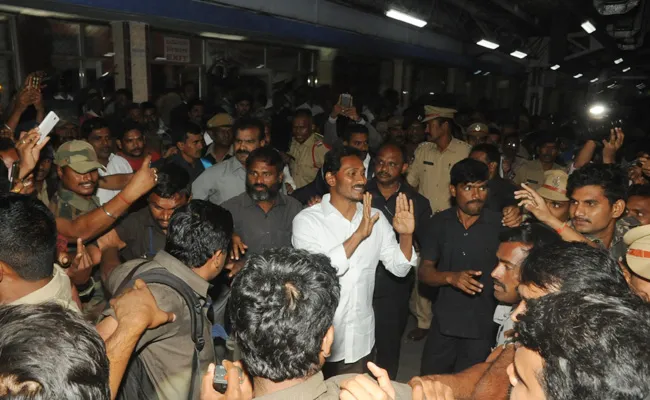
(96, 132)
(355, 237)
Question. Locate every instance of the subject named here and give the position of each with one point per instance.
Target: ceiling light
(487, 44)
(611, 86)
(588, 27)
(555, 67)
(626, 69)
(519, 54)
(594, 80)
(431, 93)
(260, 66)
(109, 54)
(477, 72)
(640, 86)
(487, 73)
(223, 36)
(405, 92)
(597, 110)
(400, 16)
(160, 59)
(577, 76)
(618, 61)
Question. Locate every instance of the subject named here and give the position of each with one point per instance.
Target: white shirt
(323, 229)
(116, 165)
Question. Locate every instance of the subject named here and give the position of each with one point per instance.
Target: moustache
(475, 202)
(242, 152)
(383, 175)
(581, 220)
(261, 186)
(499, 284)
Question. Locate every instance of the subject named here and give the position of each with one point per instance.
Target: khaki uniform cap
(638, 252)
(220, 120)
(78, 155)
(431, 112)
(554, 186)
(478, 129)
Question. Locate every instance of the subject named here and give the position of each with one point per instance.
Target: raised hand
(465, 281)
(404, 219)
(29, 150)
(533, 202)
(512, 217)
(82, 265)
(142, 181)
(368, 221)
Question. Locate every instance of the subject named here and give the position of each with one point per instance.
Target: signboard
(177, 50)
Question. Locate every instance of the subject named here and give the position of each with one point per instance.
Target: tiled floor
(411, 353)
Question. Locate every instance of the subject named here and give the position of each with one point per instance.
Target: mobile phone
(345, 100)
(14, 174)
(49, 122)
(219, 383)
(35, 83)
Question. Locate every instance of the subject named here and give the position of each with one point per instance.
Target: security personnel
(532, 172)
(307, 150)
(476, 133)
(637, 260)
(434, 158)
(430, 173)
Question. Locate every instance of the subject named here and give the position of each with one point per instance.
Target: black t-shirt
(456, 249)
(142, 235)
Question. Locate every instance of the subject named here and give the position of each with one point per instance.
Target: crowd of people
(235, 249)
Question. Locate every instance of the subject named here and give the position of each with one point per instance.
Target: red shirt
(136, 163)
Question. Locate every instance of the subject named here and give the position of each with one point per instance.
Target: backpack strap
(163, 277)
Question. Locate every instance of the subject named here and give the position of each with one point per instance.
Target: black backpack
(136, 384)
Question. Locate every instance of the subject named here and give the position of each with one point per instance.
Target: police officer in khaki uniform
(532, 172)
(553, 191)
(430, 174)
(307, 150)
(476, 133)
(636, 266)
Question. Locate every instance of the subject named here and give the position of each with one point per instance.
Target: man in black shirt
(391, 295)
(501, 192)
(458, 256)
(188, 139)
(142, 234)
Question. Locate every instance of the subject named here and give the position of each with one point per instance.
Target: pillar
(120, 56)
(139, 72)
(325, 66)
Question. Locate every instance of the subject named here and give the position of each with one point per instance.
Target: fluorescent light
(111, 54)
(315, 81)
(611, 86)
(640, 86)
(223, 36)
(618, 61)
(577, 76)
(518, 54)
(160, 59)
(400, 16)
(405, 92)
(594, 80)
(487, 44)
(588, 27)
(431, 93)
(260, 66)
(555, 67)
(477, 72)
(487, 73)
(597, 110)
(626, 69)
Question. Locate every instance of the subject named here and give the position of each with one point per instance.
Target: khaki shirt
(42, 194)
(57, 290)
(430, 171)
(532, 173)
(167, 351)
(69, 205)
(307, 159)
(317, 388)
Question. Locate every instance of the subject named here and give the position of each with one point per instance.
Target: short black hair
(6, 144)
(248, 123)
(172, 179)
(490, 150)
(400, 147)
(180, 131)
(354, 128)
(535, 235)
(132, 106)
(303, 113)
(48, 352)
(197, 231)
(196, 102)
(128, 126)
(334, 157)
(638, 190)
(93, 124)
(593, 346)
(493, 130)
(286, 299)
(126, 92)
(572, 267)
(609, 177)
(545, 138)
(242, 96)
(268, 155)
(27, 236)
(469, 171)
(147, 105)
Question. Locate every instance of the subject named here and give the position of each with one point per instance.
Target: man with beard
(132, 143)
(226, 180)
(355, 237)
(458, 257)
(263, 215)
(96, 132)
(532, 172)
(142, 234)
(391, 295)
